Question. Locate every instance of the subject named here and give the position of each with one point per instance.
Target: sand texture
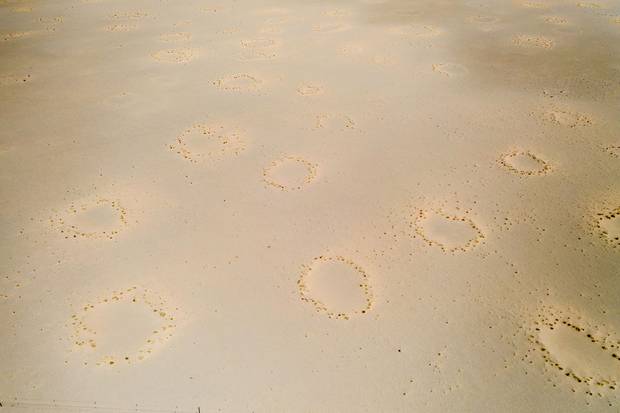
(309, 206)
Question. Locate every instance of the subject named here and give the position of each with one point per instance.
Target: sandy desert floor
(309, 206)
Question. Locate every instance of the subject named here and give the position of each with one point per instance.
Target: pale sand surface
(310, 206)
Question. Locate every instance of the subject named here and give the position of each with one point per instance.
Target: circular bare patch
(203, 142)
(524, 163)
(336, 286)
(450, 69)
(289, 173)
(99, 218)
(451, 233)
(580, 352)
(568, 118)
(310, 90)
(179, 56)
(240, 82)
(125, 327)
(536, 42)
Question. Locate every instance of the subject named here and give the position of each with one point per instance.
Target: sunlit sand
(268, 206)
